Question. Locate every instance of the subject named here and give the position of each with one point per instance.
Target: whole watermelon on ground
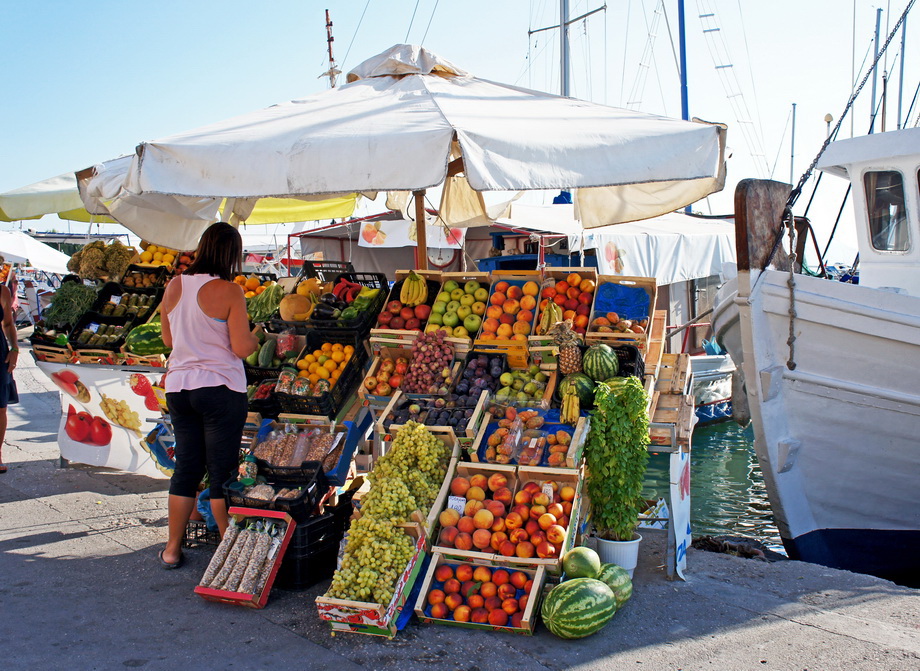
(583, 386)
(619, 582)
(600, 362)
(578, 608)
(581, 562)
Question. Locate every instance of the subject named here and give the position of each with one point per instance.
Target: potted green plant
(616, 455)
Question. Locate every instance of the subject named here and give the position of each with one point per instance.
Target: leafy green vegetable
(616, 455)
(68, 304)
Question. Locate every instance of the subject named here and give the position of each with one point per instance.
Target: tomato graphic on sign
(84, 428)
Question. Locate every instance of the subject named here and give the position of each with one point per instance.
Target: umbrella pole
(421, 240)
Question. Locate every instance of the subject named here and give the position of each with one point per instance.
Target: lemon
(146, 257)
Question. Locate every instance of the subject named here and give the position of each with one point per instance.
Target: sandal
(171, 565)
(3, 468)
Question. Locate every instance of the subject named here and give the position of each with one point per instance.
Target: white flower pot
(622, 553)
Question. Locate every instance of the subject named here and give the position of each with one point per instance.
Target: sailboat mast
(682, 46)
(564, 47)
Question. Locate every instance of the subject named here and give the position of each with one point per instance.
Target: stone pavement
(81, 587)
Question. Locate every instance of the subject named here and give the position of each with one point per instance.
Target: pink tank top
(201, 354)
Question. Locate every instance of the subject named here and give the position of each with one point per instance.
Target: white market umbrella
(409, 120)
(56, 195)
(17, 247)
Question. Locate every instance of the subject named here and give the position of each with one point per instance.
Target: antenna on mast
(333, 70)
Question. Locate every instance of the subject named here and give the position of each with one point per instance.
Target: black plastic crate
(255, 375)
(325, 271)
(631, 363)
(303, 569)
(300, 509)
(197, 534)
(329, 403)
(269, 408)
(161, 274)
(365, 320)
(110, 289)
(90, 318)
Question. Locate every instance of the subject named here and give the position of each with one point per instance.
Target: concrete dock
(82, 588)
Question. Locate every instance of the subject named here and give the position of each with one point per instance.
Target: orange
(313, 367)
(338, 347)
(336, 374)
(309, 358)
(239, 279)
(303, 364)
(338, 356)
(326, 347)
(313, 377)
(252, 282)
(323, 373)
(259, 290)
(249, 294)
(317, 353)
(330, 365)
(349, 350)
(303, 373)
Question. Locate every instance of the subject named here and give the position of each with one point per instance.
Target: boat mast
(878, 24)
(682, 49)
(564, 47)
(333, 70)
(901, 77)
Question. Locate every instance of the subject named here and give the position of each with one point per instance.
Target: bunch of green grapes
(375, 557)
(389, 499)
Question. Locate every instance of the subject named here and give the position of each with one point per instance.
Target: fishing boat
(829, 366)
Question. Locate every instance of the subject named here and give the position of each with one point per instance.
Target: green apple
(467, 299)
(456, 294)
(439, 308)
(451, 319)
(431, 328)
(449, 286)
(453, 306)
(481, 294)
(464, 311)
(472, 323)
(471, 287)
(461, 332)
(479, 308)
(444, 296)
(436, 318)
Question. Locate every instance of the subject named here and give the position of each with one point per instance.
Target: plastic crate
(267, 407)
(325, 271)
(197, 534)
(90, 318)
(255, 375)
(110, 289)
(161, 273)
(300, 509)
(365, 320)
(303, 569)
(337, 475)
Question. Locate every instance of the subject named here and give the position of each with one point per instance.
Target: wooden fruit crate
(674, 374)
(640, 340)
(367, 397)
(52, 353)
(433, 278)
(361, 617)
(424, 611)
(152, 360)
(104, 357)
(517, 278)
(551, 276)
(655, 342)
(672, 420)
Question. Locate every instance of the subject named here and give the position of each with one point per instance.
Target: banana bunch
(414, 290)
(552, 313)
(571, 408)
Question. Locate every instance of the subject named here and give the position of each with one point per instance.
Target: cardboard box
(241, 598)
(372, 618)
(528, 621)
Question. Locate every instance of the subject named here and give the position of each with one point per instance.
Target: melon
(583, 385)
(600, 362)
(578, 608)
(619, 582)
(581, 562)
(293, 304)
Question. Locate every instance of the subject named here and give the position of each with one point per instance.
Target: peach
(528, 303)
(545, 550)
(587, 286)
(572, 294)
(472, 507)
(448, 536)
(562, 287)
(498, 525)
(548, 292)
(530, 288)
(559, 298)
(613, 318)
(490, 325)
(494, 312)
(569, 311)
(536, 511)
(522, 602)
(458, 486)
(501, 577)
(507, 548)
(439, 611)
(566, 508)
(506, 591)
(497, 508)
(498, 537)
(583, 311)
(475, 601)
(584, 299)
(546, 520)
(503, 496)
(513, 521)
(498, 618)
(482, 539)
(482, 574)
(435, 596)
(567, 493)
(464, 572)
(464, 541)
(453, 601)
(514, 292)
(522, 497)
(480, 616)
(501, 286)
(443, 573)
(497, 298)
(475, 493)
(518, 536)
(519, 579)
(525, 316)
(478, 480)
(506, 319)
(466, 525)
(493, 603)
(523, 511)
(511, 307)
(496, 481)
(451, 585)
(537, 537)
(532, 526)
(539, 499)
(525, 550)
(556, 534)
(555, 509)
(483, 519)
(564, 522)
(449, 517)
(531, 487)
(516, 620)
(488, 589)
(521, 328)
(510, 605)
(528, 586)
(462, 613)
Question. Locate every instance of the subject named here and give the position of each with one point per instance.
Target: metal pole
(901, 78)
(329, 40)
(421, 233)
(792, 149)
(564, 46)
(682, 47)
(878, 24)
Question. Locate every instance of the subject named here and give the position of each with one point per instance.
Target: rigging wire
(648, 55)
(750, 60)
(354, 35)
(779, 147)
(430, 19)
(625, 45)
(411, 21)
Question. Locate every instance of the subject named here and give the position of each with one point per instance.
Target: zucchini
(267, 353)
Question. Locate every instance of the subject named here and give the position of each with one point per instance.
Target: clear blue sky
(84, 82)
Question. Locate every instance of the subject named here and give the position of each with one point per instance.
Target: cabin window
(888, 230)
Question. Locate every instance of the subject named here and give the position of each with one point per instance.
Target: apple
(457, 294)
(460, 332)
(443, 296)
(407, 313)
(481, 294)
(450, 286)
(370, 383)
(471, 287)
(413, 324)
(385, 317)
(467, 300)
(422, 312)
(395, 381)
(394, 307)
(451, 319)
(464, 311)
(398, 322)
(439, 307)
(383, 389)
(479, 308)
(472, 323)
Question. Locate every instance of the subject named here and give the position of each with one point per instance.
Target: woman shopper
(9, 356)
(205, 322)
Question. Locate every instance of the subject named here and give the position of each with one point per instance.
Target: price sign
(115, 299)
(548, 490)
(458, 503)
(93, 326)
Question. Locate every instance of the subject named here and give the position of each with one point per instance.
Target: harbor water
(727, 492)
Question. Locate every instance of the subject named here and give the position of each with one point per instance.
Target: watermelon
(583, 385)
(581, 562)
(619, 582)
(146, 340)
(600, 362)
(578, 608)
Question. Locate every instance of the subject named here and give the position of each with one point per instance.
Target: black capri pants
(208, 425)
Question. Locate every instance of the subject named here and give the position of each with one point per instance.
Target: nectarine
(482, 574)
(448, 536)
(525, 550)
(545, 521)
(498, 537)
(475, 493)
(435, 596)
(545, 550)
(462, 613)
(449, 517)
(506, 591)
(501, 577)
(483, 519)
(458, 486)
(439, 610)
(488, 589)
(480, 616)
(510, 605)
(519, 579)
(507, 549)
(482, 538)
(464, 572)
(453, 600)
(556, 534)
(498, 618)
(478, 480)
(466, 525)
(496, 481)
(443, 573)
(451, 585)
(464, 541)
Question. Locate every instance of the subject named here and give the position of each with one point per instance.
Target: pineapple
(567, 341)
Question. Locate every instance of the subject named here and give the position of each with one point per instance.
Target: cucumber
(267, 353)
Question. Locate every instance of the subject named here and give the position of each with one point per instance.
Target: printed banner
(680, 507)
(107, 415)
(386, 234)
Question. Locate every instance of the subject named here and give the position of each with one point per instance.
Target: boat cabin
(884, 172)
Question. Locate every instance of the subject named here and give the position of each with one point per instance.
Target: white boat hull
(837, 436)
(712, 387)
